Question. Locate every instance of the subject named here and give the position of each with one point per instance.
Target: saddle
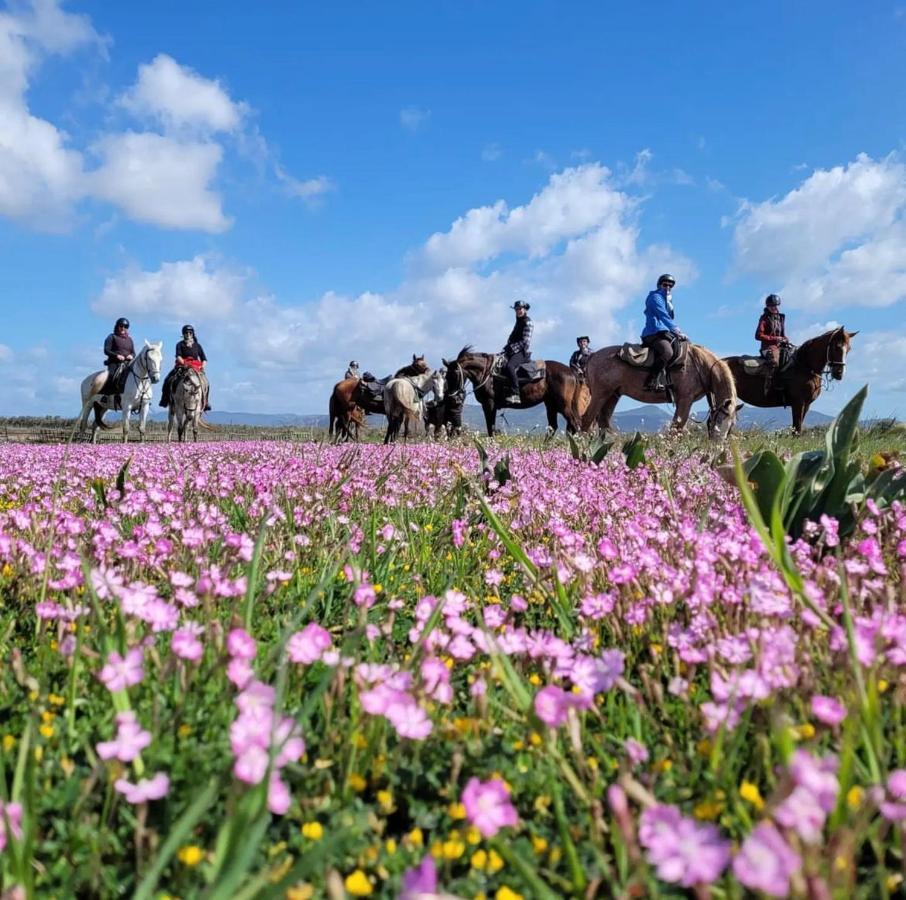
(758, 365)
(116, 382)
(374, 386)
(641, 357)
(526, 373)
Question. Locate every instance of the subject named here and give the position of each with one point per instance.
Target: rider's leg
(513, 363)
(662, 351)
(772, 360)
(165, 389)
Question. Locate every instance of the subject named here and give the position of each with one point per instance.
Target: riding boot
(651, 382)
(165, 391)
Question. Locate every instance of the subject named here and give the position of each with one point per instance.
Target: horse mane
(719, 373)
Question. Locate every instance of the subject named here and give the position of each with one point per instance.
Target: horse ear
(739, 406)
(851, 334)
(414, 357)
(147, 344)
(444, 361)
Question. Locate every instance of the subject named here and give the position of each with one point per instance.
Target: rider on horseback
(660, 333)
(189, 355)
(118, 352)
(579, 360)
(772, 334)
(353, 370)
(518, 349)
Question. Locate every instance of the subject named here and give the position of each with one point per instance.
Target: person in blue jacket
(660, 330)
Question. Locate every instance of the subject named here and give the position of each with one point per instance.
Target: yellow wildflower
(358, 884)
(485, 861)
(708, 810)
(56, 700)
(663, 765)
(518, 745)
(473, 835)
(356, 782)
(385, 799)
(190, 855)
(359, 741)
(535, 739)
(9, 741)
(184, 730)
(750, 793)
(854, 797)
(539, 844)
(505, 893)
(555, 855)
(804, 732)
(390, 846)
(534, 679)
(300, 891)
(47, 731)
(882, 685)
(456, 811)
(416, 837)
(453, 848)
(314, 831)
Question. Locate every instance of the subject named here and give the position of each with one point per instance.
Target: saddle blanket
(641, 357)
(526, 373)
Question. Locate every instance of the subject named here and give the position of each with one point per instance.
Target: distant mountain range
(649, 418)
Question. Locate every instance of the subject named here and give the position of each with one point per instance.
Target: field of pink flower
(276, 670)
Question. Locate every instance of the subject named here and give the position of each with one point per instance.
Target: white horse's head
(154, 355)
(436, 384)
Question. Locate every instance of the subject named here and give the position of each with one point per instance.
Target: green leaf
(121, 476)
(634, 451)
(601, 451)
(574, 447)
(766, 472)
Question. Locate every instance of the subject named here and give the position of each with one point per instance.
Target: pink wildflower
(307, 646)
(13, 813)
(241, 645)
(120, 673)
(828, 710)
(765, 861)
(130, 739)
(552, 705)
(488, 806)
(147, 789)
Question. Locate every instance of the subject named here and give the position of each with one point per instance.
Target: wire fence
(36, 435)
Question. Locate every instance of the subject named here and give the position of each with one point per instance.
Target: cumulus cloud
(180, 99)
(198, 288)
(160, 180)
(838, 239)
(163, 177)
(311, 190)
(40, 177)
(574, 250)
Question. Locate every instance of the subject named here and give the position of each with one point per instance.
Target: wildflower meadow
(527, 668)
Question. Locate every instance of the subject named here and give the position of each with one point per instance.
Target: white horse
(187, 402)
(142, 372)
(404, 400)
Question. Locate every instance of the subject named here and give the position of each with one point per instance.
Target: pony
(560, 390)
(799, 384)
(141, 373)
(702, 375)
(187, 402)
(404, 403)
(447, 414)
(351, 393)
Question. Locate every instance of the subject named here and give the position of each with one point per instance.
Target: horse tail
(331, 415)
(99, 418)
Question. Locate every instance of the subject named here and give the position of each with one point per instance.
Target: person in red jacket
(771, 332)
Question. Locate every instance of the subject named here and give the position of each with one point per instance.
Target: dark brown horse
(799, 385)
(560, 391)
(351, 393)
(447, 414)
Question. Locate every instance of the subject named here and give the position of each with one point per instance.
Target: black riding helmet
(186, 329)
(666, 279)
(121, 321)
(772, 300)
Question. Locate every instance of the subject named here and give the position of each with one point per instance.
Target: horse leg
(799, 409)
(551, 410)
(681, 416)
(142, 420)
(490, 417)
(605, 415)
(126, 409)
(171, 421)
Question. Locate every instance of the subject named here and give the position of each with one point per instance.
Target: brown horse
(702, 375)
(560, 391)
(799, 385)
(351, 393)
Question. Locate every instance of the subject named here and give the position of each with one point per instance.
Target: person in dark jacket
(189, 355)
(352, 370)
(771, 332)
(661, 331)
(579, 360)
(119, 351)
(518, 349)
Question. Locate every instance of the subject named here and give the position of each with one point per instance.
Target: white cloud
(160, 180)
(39, 175)
(412, 118)
(312, 190)
(491, 152)
(196, 288)
(838, 239)
(6, 354)
(180, 99)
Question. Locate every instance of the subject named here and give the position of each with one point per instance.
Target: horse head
(437, 383)
(419, 363)
(153, 354)
(722, 418)
(837, 348)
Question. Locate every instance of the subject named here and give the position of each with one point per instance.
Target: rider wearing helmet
(518, 349)
(353, 370)
(118, 351)
(772, 334)
(189, 354)
(660, 332)
(579, 360)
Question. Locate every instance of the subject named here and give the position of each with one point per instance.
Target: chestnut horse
(560, 391)
(351, 393)
(799, 385)
(702, 375)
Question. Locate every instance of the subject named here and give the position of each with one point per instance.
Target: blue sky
(308, 183)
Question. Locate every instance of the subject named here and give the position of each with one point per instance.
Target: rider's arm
(763, 336)
(527, 337)
(201, 354)
(108, 346)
